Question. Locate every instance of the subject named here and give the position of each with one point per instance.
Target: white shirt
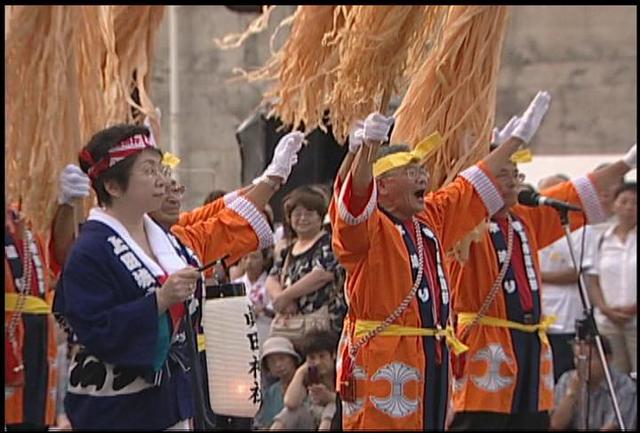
(614, 261)
(256, 292)
(563, 300)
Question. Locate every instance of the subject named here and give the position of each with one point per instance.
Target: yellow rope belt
(32, 304)
(540, 328)
(365, 326)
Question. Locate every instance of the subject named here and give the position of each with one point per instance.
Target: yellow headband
(401, 159)
(170, 159)
(521, 156)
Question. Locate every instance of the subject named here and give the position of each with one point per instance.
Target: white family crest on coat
(459, 383)
(509, 284)
(396, 405)
(351, 408)
(494, 355)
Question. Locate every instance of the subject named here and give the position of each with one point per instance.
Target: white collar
(610, 230)
(168, 258)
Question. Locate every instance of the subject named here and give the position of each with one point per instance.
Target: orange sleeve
(546, 220)
(353, 234)
(453, 211)
(236, 230)
(207, 211)
(54, 267)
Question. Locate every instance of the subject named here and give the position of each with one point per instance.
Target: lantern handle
(213, 263)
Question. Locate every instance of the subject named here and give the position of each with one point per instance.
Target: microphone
(529, 197)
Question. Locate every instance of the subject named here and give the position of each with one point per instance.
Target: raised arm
(583, 191)
(353, 211)
(610, 175)
(356, 137)
(485, 198)
(73, 185)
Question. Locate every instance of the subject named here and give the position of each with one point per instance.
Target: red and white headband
(127, 147)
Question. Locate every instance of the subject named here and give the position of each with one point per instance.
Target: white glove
(528, 123)
(630, 157)
(499, 136)
(376, 127)
(356, 136)
(73, 184)
(285, 156)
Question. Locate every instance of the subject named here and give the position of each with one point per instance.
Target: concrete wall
(210, 108)
(584, 55)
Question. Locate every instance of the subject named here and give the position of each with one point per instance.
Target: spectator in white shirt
(560, 292)
(256, 266)
(613, 283)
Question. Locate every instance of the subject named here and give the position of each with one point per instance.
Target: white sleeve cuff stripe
(589, 199)
(256, 220)
(230, 197)
(489, 194)
(343, 211)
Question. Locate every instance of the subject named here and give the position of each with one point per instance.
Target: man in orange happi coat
(391, 238)
(505, 379)
(30, 343)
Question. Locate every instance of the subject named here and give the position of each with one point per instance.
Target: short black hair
(98, 147)
(606, 344)
(319, 341)
(624, 187)
(267, 257)
(391, 149)
(213, 196)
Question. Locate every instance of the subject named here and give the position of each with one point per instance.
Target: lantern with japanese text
(233, 358)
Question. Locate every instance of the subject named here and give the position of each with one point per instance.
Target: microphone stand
(586, 328)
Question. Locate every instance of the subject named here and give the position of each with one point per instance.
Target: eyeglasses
(151, 170)
(299, 213)
(415, 171)
(166, 170)
(176, 189)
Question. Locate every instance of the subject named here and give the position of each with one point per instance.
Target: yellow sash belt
(201, 343)
(540, 328)
(32, 304)
(365, 326)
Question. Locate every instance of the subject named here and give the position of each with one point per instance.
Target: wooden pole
(384, 104)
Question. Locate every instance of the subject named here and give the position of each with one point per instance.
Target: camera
(313, 375)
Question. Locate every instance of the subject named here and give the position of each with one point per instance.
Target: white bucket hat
(277, 344)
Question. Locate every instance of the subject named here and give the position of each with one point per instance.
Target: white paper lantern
(233, 357)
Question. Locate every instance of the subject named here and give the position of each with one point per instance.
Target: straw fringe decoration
(304, 68)
(135, 29)
(68, 71)
(333, 61)
(454, 92)
(258, 25)
(374, 63)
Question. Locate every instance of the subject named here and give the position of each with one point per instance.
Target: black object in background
(318, 161)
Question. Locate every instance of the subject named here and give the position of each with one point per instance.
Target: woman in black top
(306, 275)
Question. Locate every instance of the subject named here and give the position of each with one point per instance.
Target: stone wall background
(585, 56)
